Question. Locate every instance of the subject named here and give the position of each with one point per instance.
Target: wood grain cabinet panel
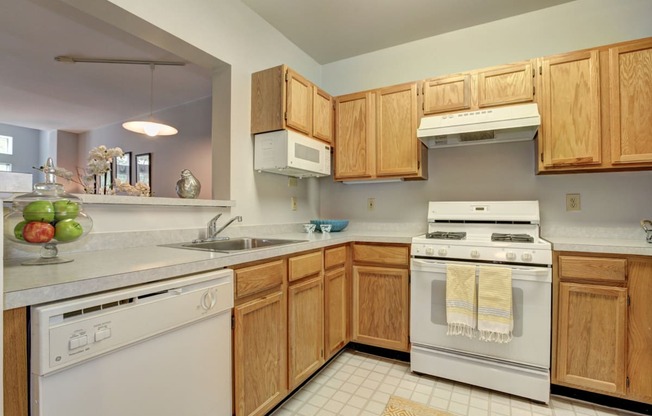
(336, 305)
(592, 337)
(259, 356)
(570, 133)
(630, 87)
(259, 277)
(592, 268)
(380, 307)
(446, 94)
(335, 256)
(322, 115)
(381, 254)
(15, 381)
(299, 102)
(355, 136)
(507, 84)
(397, 146)
(639, 338)
(305, 265)
(305, 329)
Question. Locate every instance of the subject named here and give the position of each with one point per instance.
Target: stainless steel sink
(234, 244)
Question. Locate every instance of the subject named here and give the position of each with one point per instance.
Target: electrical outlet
(371, 204)
(292, 181)
(293, 203)
(573, 202)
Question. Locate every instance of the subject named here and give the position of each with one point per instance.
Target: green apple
(18, 230)
(67, 230)
(41, 211)
(65, 210)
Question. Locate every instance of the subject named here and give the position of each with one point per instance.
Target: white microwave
(289, 153)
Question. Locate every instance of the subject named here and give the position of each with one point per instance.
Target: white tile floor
(359, 384)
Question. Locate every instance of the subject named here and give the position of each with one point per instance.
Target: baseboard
(381, 352)
(601, 399)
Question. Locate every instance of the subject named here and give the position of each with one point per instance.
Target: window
(5, 167)
(7, 145)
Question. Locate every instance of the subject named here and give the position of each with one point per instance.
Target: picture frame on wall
(123, 167)
(143, 164)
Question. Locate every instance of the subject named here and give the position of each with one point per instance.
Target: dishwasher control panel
(68, 332)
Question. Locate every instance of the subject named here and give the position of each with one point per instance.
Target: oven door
(531, 295)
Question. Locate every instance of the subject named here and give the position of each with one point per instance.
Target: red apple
(38, 232)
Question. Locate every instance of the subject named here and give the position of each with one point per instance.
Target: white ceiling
(331, 30)
(38, 92)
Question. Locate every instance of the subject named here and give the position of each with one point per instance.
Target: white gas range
(499, 234)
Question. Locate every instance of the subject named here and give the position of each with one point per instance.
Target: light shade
(150, 128)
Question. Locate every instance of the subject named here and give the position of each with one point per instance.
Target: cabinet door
(570, 106)
(630, 75)
(508, 84)
(305, 329)
(451, 93)
(354, 136)
(260, 350)
(640, 331)
(380, 307)
(299, 103)
(591, 337)
(16, 383)
(397, 146)
(322, 115)
(336, 309)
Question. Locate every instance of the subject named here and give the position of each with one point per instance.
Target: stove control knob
(442, 252)
(475, 254)
(510, 255)
(430, 251)
(526, 257)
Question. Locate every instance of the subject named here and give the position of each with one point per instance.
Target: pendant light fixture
(149, 127)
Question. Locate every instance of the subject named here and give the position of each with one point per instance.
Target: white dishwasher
(159, 349)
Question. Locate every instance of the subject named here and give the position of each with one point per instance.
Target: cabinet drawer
(305, 265)
(394, 255)
(254, 279)
(334, 257)
(592, 268)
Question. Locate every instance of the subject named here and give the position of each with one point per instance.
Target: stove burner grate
(445, 235)
(516, 238)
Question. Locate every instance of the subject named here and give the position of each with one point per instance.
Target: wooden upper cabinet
(446, 94)
(355, 136)
(397, 145)
(630, 88)
(375, 135)
(570, 134)
(299, 102)
(507, 84)
(322, 115)
(283, 99)
(489, 87)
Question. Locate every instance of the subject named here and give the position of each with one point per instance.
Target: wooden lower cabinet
(305, 329)
(380, 307)
(592, 334)
(259, 357)
(602, 317)
(337, 299)
(15, 382)
(639, 353)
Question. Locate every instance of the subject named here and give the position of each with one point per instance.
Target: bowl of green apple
(46, 217)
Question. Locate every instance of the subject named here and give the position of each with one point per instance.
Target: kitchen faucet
(213, 231)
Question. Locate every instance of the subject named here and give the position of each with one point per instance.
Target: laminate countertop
(102, 270)
(638, 247)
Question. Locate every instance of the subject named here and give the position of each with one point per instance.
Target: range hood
(494, 125)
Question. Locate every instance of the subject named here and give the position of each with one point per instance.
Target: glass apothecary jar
(46, 217)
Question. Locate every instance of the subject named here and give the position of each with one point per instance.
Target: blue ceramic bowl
(336, 225)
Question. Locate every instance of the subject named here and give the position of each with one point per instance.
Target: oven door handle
(518, 272)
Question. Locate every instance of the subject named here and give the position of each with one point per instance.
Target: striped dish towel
(460, 299)
(495, 319)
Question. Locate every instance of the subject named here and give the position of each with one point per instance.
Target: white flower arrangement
(97, 177)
